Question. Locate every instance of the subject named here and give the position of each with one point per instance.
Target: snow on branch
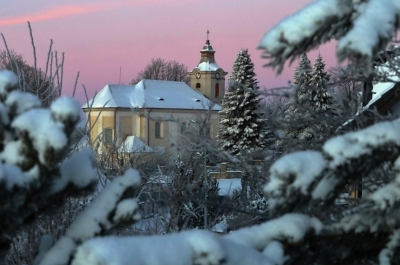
(33, 144)
(311, 26)
(298, 178)
(111, 208)
(363, 28)
(245, 246)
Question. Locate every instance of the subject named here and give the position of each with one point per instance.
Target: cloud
(71, 10)
(54, 13)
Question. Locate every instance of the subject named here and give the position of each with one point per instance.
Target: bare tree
(159, 69)
(47, 83)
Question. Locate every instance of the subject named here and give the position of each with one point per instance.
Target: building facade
(158, 113)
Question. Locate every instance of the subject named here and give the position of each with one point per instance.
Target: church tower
(208, 78)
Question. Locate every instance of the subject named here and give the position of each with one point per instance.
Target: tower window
(216, 90)
(198, 85)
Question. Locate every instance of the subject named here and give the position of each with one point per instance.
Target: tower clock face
(217, 75)
(198, 75)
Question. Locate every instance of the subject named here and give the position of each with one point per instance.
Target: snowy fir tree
(321, 100)
(311, 107)
(242, 129)
(300, 96)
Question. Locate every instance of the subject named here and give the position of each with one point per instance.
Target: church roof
(207, 66)
(151, 94)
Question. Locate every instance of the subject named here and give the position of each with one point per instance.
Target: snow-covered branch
(363, 28)
(34, 141)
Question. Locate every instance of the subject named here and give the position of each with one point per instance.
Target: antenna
(208, 32)
(119, 75)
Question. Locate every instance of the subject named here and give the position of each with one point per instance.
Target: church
(152, 115)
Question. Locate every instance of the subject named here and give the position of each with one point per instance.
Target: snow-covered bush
(34, 141)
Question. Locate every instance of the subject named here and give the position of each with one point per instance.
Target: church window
(183, 127)
(108, 135)
(198, 85)
(158, 130)
(216, 90)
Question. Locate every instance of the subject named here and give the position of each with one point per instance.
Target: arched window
(216, 90)
(198, 85)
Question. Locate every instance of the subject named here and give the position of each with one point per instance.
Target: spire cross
(208, 32)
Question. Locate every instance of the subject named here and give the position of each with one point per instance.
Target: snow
(13, 176)
(220, 227)
(291, 227)
(355, 144)
(22, 102)
(374, 24)
(66, 108)
(133, 144)
(386, 197)
(293, 172)
(125, 209)
(380, 88)
(186, 248)
(63, 248)
(326, 185)
(96, 216)
(79, 170)
(227, 186)
(12, 153)
(146, 94)
(386, 255)
(290, 32)
(275, 252)
(207, 66)
(174, 249)
(45, 133)
(8, 82)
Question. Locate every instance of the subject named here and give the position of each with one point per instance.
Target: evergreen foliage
(312, 105)
(242, 129)
(34, 142)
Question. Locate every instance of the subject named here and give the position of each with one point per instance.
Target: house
(158, 112)
(380, 96)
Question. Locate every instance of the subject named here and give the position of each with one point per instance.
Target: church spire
(207, 53)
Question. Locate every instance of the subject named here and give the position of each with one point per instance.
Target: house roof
(133, 144)
(384, 91)
(152, 94)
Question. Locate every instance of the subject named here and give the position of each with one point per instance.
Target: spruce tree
(321, 100)
(241, 127)
(311, 105)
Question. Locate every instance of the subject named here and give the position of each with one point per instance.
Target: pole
(206, 184)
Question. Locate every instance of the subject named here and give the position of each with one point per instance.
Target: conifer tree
(241, 127)
(311, 103)
(321, 100)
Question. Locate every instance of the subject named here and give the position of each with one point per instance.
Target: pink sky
(100, 36)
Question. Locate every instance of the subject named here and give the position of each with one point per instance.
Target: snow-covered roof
(152, 94)
(380, 88)
(207, 66)
(133, 144)
(227, 186)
